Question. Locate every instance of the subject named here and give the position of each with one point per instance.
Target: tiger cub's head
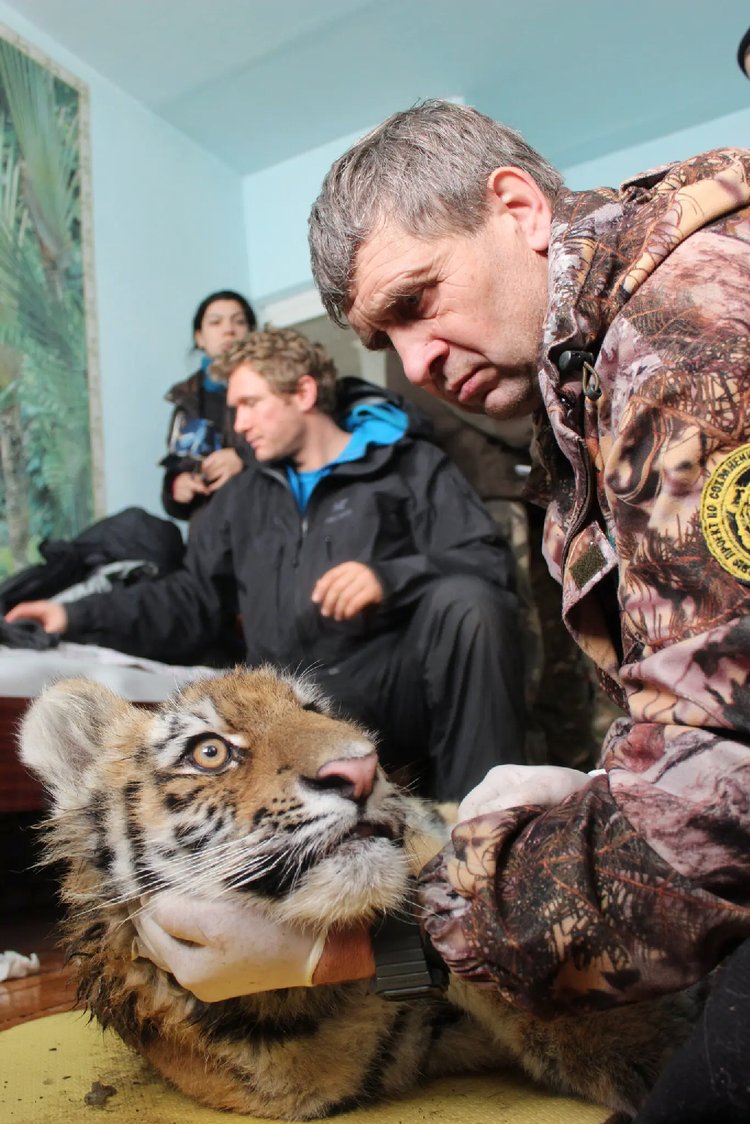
(244, 784)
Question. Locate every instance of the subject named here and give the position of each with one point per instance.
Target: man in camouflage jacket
(639, 881)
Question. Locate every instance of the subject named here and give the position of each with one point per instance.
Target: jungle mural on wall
(49, 417)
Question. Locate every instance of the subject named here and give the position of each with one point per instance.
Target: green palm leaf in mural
(48, 141)
(44, 387)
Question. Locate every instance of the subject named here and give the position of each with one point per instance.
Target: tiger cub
(139, 806)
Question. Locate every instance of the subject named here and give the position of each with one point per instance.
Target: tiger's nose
(352, 777)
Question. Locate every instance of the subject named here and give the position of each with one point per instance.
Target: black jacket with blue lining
(404, 510)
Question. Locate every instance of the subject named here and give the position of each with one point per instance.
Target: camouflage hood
(604, 244)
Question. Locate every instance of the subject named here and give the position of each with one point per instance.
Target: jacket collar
(606, 243)
(185, 391)
(372, 461)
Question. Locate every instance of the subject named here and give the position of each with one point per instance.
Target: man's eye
(411, 301)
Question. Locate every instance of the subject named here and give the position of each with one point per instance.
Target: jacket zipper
(582, 511)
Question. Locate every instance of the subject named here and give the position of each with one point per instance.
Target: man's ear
(518, 193)
(306, 392)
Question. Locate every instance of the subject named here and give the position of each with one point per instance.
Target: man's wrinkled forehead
(389, 265)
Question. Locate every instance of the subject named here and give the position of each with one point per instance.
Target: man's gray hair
(425, 169)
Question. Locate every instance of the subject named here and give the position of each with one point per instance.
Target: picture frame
(51, 449)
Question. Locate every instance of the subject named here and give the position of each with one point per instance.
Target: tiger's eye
(210, 753)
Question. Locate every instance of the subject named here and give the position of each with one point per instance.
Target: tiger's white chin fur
(362, 878)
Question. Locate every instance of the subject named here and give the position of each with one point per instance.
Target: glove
(509, 786)
(218, 949)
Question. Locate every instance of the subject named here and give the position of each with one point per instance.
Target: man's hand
(220, 949)
(219, 467)
(509, 786)
(186, 486)
(346, 590)
(51, 616)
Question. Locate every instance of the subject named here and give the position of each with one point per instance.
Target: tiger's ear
(63, 736)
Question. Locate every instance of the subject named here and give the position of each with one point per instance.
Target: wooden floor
(46, 992)
(29, 912)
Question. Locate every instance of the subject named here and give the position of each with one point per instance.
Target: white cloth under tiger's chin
(359, 880)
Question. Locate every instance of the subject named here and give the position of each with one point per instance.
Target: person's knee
(471, 600)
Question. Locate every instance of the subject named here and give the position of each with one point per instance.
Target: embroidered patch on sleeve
(725, 513)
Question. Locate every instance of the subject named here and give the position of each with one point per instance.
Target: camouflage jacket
(640, 882)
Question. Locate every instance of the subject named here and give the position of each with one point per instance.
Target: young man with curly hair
(352, 549)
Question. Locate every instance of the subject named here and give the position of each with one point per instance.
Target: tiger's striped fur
(133, 813)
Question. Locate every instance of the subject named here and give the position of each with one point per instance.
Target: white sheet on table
(25, 672)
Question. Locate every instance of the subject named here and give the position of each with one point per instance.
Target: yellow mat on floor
(48, 1066)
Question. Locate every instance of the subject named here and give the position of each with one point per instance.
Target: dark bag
(130, 534)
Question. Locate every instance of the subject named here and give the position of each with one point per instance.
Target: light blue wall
(168, 228)
(733, 129)
(278, 199)
(277, 203)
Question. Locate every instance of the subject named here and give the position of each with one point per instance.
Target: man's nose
(422, 359)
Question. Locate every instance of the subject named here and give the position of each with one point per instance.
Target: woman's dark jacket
(191, 402)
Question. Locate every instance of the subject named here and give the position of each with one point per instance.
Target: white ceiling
(258, 81)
